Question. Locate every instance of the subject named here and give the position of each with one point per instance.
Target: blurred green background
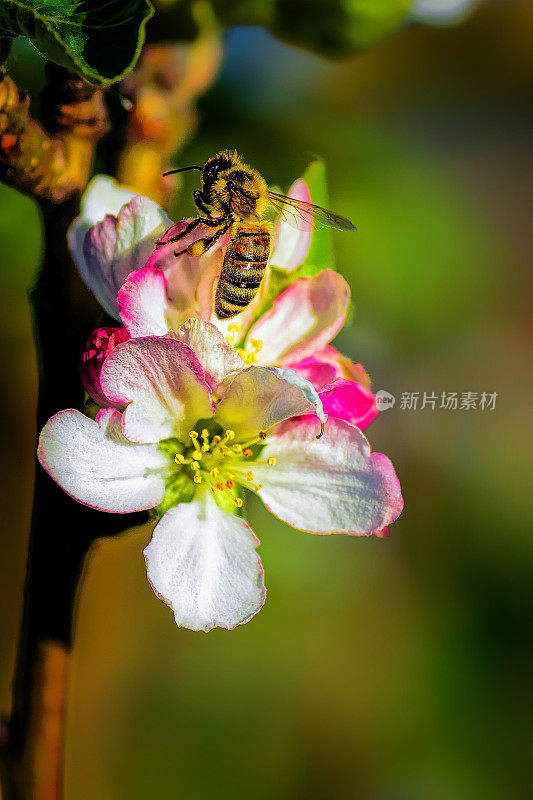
(395, 669)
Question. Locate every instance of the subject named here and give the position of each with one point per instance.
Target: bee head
(216, 165)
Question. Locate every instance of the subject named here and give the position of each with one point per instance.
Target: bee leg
(199, 247)
(199, 202)
(210, 222)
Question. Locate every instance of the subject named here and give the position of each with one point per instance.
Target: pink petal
(161, 382)
(304, 318)
(317, 372)
(330, 485)
(190, 279)
(99, 344)
(292, 235)
(349, 401)
(95, 464)
(344, 367)
(142, 303)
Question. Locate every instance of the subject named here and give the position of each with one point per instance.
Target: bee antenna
(183, 169)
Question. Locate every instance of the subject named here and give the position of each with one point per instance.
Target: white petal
(202, 562)
(303, 319)
(331, 485)
(119, 245)
(292, 240)
(161, 382)
(220, 361)
(102, 196)
(258, 399)
(142, 303)
(94, 463)
(295, 379)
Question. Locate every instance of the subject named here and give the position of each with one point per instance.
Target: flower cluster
(194, 411)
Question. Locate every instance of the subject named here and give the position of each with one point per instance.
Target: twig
(62, 530)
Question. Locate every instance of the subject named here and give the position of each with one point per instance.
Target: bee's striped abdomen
(242, 270)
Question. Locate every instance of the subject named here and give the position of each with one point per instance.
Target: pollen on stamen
(271, 461)
(238, 502)
(205, 433)
(219, 486)
(179, 459)
(247, 453)
(229, 435)
(195, 466)
(230, 484)
(197, 479)
(193, 435)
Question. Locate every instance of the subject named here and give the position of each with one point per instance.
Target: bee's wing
(298, 213)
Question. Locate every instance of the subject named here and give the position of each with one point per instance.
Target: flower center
(249, 352)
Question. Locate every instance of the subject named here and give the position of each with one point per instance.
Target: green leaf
(99, 39)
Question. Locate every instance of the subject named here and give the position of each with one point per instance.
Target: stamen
(237, 448)
(198, 455)
(321, 430)
(263, 435)
(219, 486)
(214, 472)
(197, 478)
(206, 447)
(249, 476)
(238, 502)
(195, 466)
(271, 461)
(179, 459)
(247, 453)
(257, 344)
(194, 436)
(229, 435)
(230, 484)
(205, 433)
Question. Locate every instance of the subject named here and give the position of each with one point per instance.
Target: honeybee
(234, 196)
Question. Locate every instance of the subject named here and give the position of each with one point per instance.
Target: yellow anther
(234, 327)
(237, 448)
(195, 466)
(179, 459)
(238, 502)
(206, 447)
(249, 476)
(216, 440)
(229, 435)
(197, 454)
(259, 486)
(263, 435)
(230, 484)
(271, 461)
(257, 344)
(193, 434)
(205, 433)
(247, 453)
(214, 472)
(219, 486)
(197, 479)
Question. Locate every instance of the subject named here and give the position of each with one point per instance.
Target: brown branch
(62, 531)
(53, 161)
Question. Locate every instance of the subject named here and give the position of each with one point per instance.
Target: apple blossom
(190, 431)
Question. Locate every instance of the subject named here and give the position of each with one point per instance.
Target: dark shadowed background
(395, 669)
